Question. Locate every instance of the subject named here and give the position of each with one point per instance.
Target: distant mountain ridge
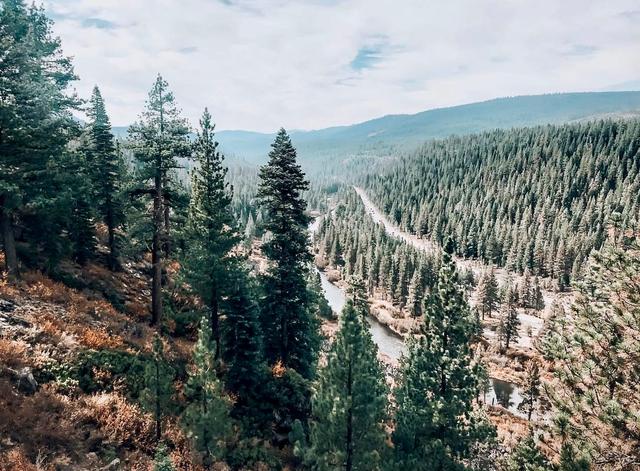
(409, 130)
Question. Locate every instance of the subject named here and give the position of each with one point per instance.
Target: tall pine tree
(488, 293)
(350, 402)
(158, 139)
(211, 228)
(108, 172)
(509, 320)
(35, 122)
(436, 425)
(289, 325)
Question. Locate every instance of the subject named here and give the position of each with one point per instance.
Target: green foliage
(206, 417)
(253, 453)
(36, 124)
(350, 402)
(597, 357)
(400, 271)
(162, 460)
(123, 368)
(509, 320)
(527, 457)
(317, 297)
(158, 140)
(210, 232)
(489, 298)
(570, 460)
(538, 198)
(242, 342)
(436, 426)
(532, 389)
(289, 324)
(156, 397)
(357, 293)
(108, 174)
(71, 209)
(283, 398)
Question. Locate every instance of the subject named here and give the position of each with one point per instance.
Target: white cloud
(263, 64)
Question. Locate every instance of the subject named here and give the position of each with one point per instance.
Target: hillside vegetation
(538, 199)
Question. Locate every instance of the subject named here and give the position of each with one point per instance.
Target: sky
(309, 64)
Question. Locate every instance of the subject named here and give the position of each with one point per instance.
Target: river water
(388, 342)
(500, 392)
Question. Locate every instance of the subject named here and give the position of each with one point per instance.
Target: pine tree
(158, 139)
(242, 346)
(158, 385)
(289, 325)
(596, 358)
(536, 295)
(107, 173)
(528, 457)
(509, 320)
(416, 292)
(350, 401)
(532, 389)
(436, 425)
(318, 298)
(72, 174)
(211, 232)
(36, 124)
(525, 294)
(161, 460)
(207, 416)
(572, 461)
(488, 293)
(357, 292)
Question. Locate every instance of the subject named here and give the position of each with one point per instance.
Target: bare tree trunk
(158, 411)
(349, 464)
(166, 242)
(113, 249)
(8, 242)
(156, 257)
(215, 322)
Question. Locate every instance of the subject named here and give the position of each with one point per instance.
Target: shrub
(122, 423)
(123, 367)
(43, 421)
(15, 459)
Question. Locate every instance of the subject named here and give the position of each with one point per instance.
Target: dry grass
(42, 421)
(100, 339)
(13, 353)
(122, 423)
(16, 459)
(64, 425)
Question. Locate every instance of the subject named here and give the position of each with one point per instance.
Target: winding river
(500, 392)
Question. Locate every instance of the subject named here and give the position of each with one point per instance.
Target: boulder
(26, 382)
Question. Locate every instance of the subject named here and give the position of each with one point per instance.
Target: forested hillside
(536, 198)
(349, 240)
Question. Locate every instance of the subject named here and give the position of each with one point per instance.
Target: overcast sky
(308, 64)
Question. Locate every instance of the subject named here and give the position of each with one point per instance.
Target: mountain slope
(408, 130)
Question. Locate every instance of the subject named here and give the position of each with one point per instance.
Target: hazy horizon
(315, 64)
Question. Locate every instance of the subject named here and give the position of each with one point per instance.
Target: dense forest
(160, 310)
(539, 198)
(350, 241)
